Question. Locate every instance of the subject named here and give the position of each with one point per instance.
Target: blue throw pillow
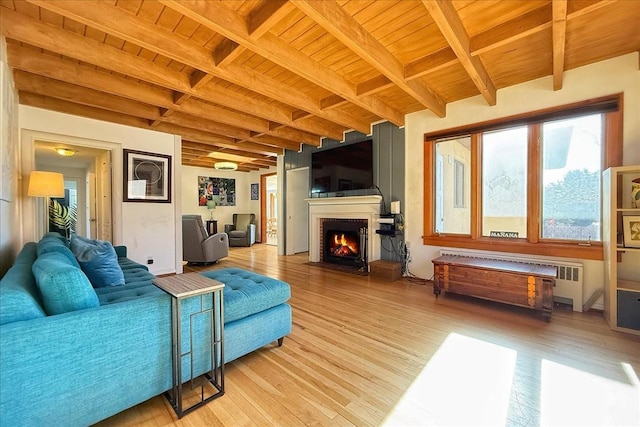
(53, 244)
(62, 286)
(98, 260)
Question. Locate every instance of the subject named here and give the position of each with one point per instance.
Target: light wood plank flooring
(368, 352)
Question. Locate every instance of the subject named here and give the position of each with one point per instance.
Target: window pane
(504, 183)
(452, 196)
(571, 166)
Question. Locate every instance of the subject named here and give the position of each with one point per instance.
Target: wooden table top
(186, 285)
(496, 264)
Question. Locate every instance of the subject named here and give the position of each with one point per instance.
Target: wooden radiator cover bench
(516, 283)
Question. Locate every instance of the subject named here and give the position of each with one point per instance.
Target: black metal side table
(183, 286)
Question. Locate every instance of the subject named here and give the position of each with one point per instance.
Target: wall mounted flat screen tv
(343, 168)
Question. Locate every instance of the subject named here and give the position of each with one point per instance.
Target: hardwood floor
(367, 352)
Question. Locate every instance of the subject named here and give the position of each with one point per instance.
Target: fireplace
(349, 208)
(345, 242)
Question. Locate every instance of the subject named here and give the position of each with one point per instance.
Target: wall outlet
(150, 260)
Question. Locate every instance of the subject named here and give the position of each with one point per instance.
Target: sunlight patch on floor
(466, 382)
(571, 397)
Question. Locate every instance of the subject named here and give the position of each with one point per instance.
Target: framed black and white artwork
(147, 177)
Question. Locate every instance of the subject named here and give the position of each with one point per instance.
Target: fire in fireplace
(341, 244)
(345, 242)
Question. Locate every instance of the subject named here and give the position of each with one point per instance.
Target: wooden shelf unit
(621, 272)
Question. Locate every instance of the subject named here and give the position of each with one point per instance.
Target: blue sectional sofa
(72, 354)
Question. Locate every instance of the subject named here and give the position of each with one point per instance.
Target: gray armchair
(198, 247)
(243, 230)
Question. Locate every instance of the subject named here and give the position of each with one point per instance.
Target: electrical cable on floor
(401, 252)
(406, 273)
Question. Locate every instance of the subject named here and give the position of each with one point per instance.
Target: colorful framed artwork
(220, 190)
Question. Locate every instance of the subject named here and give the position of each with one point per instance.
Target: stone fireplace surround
(366, 208)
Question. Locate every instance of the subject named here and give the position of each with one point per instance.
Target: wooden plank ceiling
(242, 80)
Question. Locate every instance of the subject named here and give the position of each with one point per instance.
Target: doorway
(85, 209)
(269, 208)
(297, 235)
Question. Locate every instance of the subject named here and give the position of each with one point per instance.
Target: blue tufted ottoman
(255, 310)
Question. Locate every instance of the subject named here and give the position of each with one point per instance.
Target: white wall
(10, 241)
(604, 78)
(223, 214)
(147, 229)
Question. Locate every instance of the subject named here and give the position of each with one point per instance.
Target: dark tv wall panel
(295, 159)
(388, 168)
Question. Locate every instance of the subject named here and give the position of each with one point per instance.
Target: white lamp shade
(46, 184)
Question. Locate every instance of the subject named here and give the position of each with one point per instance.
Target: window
(452, 202)
(528, 184)
(504, 182)
(571, 169)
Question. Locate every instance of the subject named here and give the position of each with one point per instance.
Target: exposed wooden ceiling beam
(209, 148)
(72, 93)
(49, 103)
(199, 78)
(121, 24)
(333, 18)
(69, 92)
(220, 18)
(446, 18)
(373, 85)
(559, 30)
(190, 152)
(37, 62)
(523, 26)
(579, 9)
(226, 52)
(258, 23)
(208, 138)
(431, 63)
(528, 24)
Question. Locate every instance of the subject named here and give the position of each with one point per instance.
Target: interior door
(104, 196)
(297, 233)
(92, 206)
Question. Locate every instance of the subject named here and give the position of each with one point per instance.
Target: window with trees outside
(526, 184)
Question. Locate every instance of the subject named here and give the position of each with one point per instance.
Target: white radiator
(568, 283)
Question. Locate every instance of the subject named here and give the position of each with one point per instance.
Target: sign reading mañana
(504, 234)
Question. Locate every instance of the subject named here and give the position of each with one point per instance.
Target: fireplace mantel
(351, 207)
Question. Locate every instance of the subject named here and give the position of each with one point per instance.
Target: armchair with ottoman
(198, 247)
(243, 230)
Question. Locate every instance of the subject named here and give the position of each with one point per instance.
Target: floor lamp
(46, 184)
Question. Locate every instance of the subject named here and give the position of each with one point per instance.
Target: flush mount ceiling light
(67, 152)
(225, 166)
